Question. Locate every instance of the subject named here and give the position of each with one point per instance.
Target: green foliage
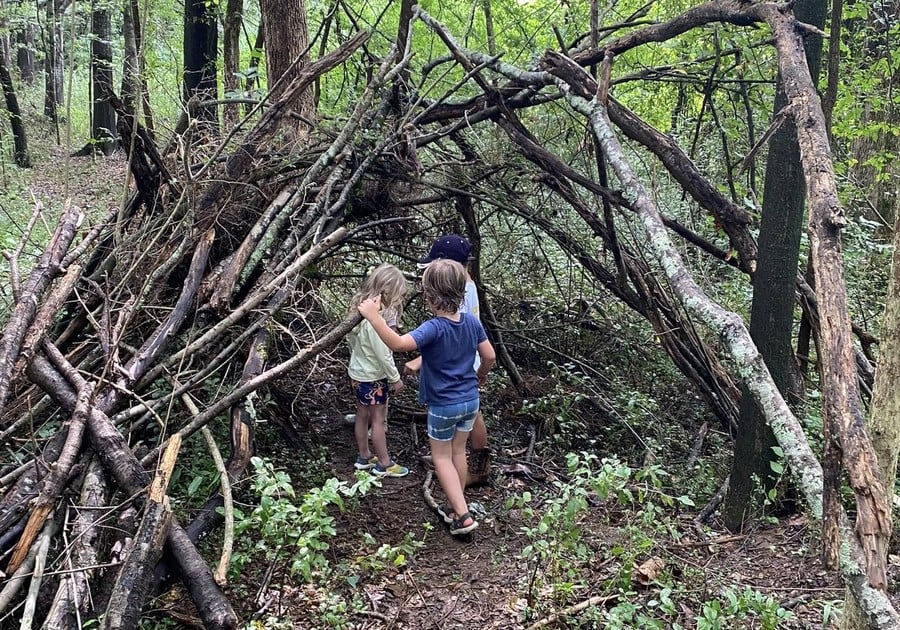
(384, 557)
(738, 607)
(554, 528)
(561, 527)
(283, 526)
(556, 409)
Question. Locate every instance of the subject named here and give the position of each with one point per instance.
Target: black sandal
(446, 512)
(457, 526)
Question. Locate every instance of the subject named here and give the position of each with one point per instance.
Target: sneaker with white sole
(394, 470)
(365, 464)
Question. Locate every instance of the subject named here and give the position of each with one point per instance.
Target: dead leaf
(647, 573)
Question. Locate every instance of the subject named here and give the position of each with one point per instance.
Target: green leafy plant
(384, 557)
(554, 529)
(283, 525)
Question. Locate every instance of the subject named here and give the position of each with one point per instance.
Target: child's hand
(370, 307)
(482, 379)
(396, 387)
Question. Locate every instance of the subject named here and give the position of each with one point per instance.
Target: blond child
(373, 373)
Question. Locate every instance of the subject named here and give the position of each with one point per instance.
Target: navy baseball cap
(450, 246)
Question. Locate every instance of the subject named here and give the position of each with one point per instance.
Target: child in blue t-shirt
(448, 384)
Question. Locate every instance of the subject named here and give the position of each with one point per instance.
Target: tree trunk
(53, 63)
(20, 141)
(25, 53)
(231, 59)
(287, 53)
(772, 310)
(135, 96)
(131, 65)
(884, 418)
(201, 42)
(103, 116)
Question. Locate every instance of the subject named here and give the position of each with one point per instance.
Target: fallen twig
(571, 610)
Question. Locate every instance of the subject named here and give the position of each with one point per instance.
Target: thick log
(121, 464)
(47, 268)
(73, 596)
(55, 480)
(131, 587)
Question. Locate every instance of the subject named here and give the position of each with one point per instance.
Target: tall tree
(25, 52)
(103, 116)
(20, 142)
(53, 60)
(772, 309)
(231, 58)
(287, 53)
(201, 41)
(135, 95)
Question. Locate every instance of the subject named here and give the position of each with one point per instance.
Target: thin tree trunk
(131, 66)
(20, 141)
(53, 63)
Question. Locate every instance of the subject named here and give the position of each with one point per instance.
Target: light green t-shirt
(370, 359)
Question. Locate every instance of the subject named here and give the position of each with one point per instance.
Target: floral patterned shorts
(374, 393)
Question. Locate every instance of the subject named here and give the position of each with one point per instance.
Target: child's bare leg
(458, 446)
(377, 417)
(361, 430)
(479, 433)
(448, 475)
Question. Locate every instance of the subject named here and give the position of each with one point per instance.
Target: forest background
(660, 197)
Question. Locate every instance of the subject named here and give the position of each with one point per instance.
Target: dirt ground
(480, 581)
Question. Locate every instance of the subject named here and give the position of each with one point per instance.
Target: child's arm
(412, 366)
(371, 310)
(488, 357)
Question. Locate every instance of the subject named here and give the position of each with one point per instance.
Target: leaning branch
(842, 408)
(730, 326)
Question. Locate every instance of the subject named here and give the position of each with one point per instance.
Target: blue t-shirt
(447, 347)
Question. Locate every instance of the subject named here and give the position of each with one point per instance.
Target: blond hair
(444, 284)
(387, 282)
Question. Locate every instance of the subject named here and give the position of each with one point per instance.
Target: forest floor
(483, 580)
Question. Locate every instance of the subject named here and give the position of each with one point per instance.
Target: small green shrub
(285, 526)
